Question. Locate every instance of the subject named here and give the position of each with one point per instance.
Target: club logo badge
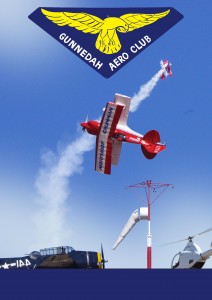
(106, 39)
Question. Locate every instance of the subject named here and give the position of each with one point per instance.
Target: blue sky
(46, 92)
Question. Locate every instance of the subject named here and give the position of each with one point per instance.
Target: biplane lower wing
(116, 152)
(104, 144)
(103, 155)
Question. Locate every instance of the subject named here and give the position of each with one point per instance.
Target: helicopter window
(176, 265)
(175, 261)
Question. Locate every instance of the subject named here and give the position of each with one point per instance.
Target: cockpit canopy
(56, 250)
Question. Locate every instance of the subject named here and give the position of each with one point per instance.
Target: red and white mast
(150, 185)
(149, 236)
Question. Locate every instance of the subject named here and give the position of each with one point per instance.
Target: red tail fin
(149, 144)
(152, 136)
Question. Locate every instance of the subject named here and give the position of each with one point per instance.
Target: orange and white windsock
(139, 214)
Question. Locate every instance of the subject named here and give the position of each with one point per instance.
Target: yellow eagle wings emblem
(107, 41)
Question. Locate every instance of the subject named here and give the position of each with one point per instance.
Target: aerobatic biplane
(166, 67)
(112, 131)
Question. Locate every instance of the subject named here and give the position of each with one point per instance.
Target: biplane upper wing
(104, 143)
(124, 101)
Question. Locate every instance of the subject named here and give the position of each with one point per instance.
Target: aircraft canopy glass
(56, 250)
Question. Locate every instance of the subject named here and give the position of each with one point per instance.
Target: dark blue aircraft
(64, 257)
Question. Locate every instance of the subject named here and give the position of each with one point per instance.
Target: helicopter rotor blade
(205, 231)
(174, 242)
(188, 238)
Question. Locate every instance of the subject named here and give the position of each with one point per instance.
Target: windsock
(139, 214)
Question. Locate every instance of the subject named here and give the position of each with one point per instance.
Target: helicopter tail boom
(206, 254)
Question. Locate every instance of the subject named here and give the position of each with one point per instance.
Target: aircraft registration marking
(19, 263)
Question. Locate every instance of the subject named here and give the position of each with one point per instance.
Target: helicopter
(62, 257)
(192, 256)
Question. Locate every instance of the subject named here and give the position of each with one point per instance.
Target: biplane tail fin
(150, 145)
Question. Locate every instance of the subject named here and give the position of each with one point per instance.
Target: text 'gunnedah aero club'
(106, 38)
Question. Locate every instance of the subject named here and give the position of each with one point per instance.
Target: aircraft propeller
(103, 257)
(86, 121)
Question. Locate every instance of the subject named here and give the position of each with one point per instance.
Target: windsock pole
(149, 185)
(149, 236)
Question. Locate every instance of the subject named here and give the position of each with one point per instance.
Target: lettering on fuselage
(101, 155)
(19, 263)
(135, 140)
(107, 121)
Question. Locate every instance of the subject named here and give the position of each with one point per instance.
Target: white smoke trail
(53, 190)
(53, 185)
(145, 91)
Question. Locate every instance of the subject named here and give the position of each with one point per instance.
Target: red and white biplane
(112, 131)
(166, 67)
